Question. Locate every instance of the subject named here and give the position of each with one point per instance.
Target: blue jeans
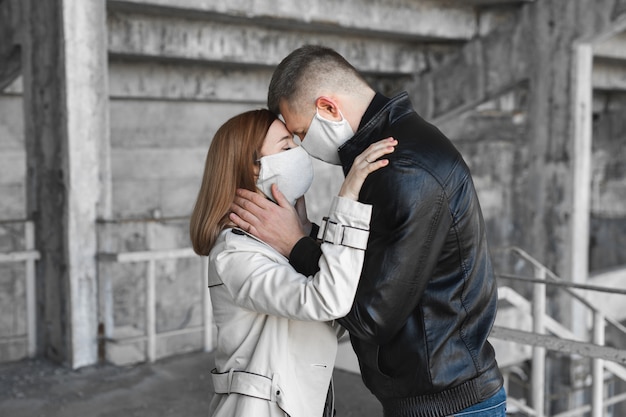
(491, 407)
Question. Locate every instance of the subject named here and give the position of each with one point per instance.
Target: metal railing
(603, 357)
(29, 256)
(151, 335)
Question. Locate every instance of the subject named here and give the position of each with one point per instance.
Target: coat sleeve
(406, 239)
(259, 283)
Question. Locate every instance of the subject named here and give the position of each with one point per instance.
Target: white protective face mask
(324, 137)
(291, 171)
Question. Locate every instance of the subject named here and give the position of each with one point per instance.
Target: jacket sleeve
(259, 283)
(407, 236)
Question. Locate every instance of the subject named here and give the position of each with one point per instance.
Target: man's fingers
(252, 208)
(254, 198)
(256, 207)
(279, 197)
(247, 194)
(241, 208)
(240, 223)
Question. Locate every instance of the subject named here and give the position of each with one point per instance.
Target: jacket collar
(394, 109)
(378, 102)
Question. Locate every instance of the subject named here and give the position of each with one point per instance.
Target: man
(427, 296)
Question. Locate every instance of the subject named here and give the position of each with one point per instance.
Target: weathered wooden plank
(224, 44)
(179, 194)
(155, 198)
(614, 47)
(609, 74)
(136, 199)
(169, 124)
(188, 81)
(490, 2)
(133, 164)
(392, 18)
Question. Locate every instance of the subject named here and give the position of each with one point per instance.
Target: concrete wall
(174, 78)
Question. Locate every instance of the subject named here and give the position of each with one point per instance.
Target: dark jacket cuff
(305, 256)
(314, 230)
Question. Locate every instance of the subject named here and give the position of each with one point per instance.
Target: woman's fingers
(364, 164)
(370, 160)
(378, 149)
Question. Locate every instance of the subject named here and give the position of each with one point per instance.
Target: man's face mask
(291, 171)
(324, 137)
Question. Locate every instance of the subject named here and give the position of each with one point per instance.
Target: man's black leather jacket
(427, 297)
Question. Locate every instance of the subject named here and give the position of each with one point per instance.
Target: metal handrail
(557, 281)
(540, 342)
(151, 336)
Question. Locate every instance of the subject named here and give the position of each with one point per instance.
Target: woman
(276, 343)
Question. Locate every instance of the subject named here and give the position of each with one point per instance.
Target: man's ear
(327, 108)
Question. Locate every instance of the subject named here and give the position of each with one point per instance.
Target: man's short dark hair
(313, 64)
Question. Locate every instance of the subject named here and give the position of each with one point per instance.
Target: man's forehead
(288, 121)
(293, 118)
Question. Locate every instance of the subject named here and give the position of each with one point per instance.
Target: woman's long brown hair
(229, 165)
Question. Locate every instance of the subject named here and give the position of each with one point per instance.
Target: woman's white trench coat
(276, 340)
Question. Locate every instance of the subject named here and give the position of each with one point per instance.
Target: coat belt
(246, 383)
(340, 234)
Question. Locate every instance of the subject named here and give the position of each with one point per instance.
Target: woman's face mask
(290, 170)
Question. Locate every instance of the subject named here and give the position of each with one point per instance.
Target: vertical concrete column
(582, 110)
(548, 183)
(66, 126)
(551, 183)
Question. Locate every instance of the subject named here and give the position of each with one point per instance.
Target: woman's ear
(327, 108)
